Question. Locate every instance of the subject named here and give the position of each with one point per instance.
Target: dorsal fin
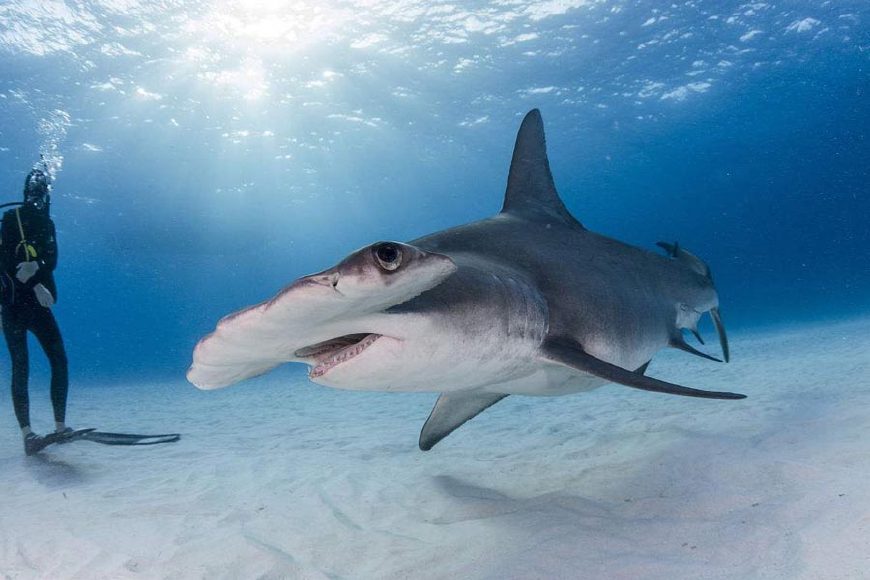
(531, 192)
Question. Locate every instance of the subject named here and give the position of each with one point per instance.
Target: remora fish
(527, 302)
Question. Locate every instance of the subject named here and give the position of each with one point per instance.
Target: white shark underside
(526, 302)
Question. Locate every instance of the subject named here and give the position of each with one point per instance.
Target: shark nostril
(326, 279)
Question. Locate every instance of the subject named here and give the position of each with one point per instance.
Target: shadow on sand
(55, 473)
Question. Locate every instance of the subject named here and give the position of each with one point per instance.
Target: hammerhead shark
(527, 302)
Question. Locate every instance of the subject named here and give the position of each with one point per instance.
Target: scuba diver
(28, 256)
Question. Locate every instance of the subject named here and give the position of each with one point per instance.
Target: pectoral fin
(569, 353)
(451, 411)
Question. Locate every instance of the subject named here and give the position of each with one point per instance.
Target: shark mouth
(326, 355)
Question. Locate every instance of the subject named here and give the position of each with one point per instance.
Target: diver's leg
(44, 326)
(15, 331)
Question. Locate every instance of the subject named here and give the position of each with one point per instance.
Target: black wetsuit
(22, 311)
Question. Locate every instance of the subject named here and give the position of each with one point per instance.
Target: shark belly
(548, 381)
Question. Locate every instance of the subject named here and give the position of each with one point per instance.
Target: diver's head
(37, 189)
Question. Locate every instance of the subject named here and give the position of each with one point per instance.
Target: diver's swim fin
(38, 443)
(130, 438)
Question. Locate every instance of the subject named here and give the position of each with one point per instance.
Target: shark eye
(388, 256)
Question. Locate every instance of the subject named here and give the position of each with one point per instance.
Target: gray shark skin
(526, 302)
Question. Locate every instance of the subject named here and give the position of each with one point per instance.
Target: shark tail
(698, 265)
(720, 330)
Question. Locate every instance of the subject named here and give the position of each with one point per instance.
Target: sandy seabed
(278, 478)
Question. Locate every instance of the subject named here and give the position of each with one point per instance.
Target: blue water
(208, 153)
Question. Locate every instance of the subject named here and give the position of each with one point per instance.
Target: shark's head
(331, 320)
(366, 284)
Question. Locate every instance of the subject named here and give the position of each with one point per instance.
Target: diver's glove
(43, 296)
(26, 270)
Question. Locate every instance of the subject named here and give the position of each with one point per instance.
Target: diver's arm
(7, 247)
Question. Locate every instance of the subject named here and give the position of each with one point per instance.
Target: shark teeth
(342, 355)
